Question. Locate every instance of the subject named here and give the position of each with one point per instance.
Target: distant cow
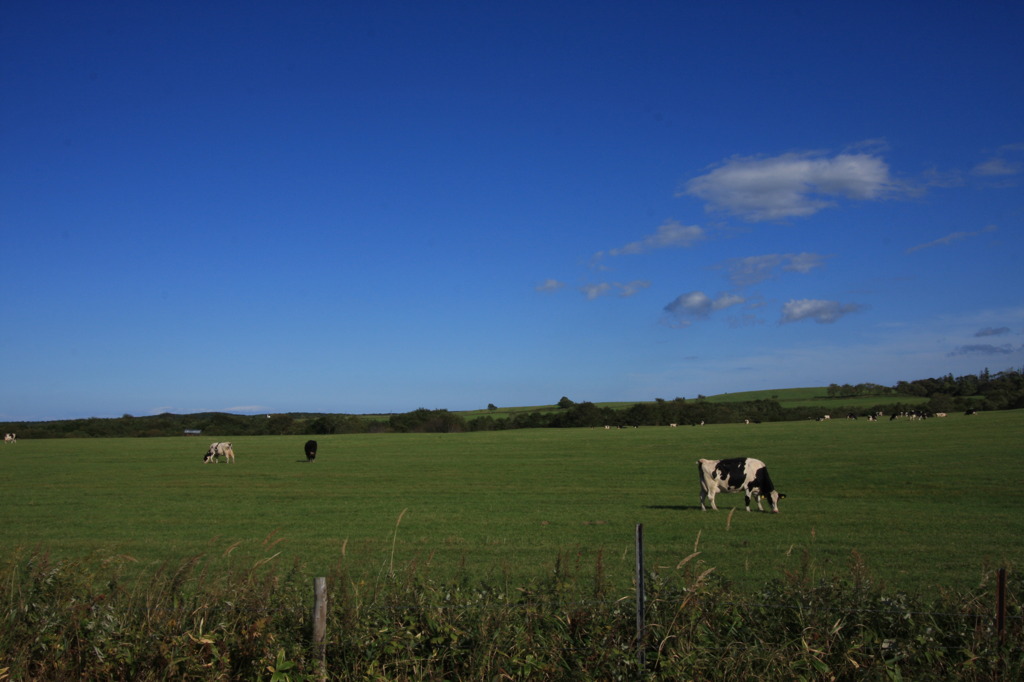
(734, 475)
(218, 450)
(10, 438)
(310, 450)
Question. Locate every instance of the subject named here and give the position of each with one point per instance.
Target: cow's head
(774, 497)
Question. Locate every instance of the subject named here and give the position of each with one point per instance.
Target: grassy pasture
(923, 504)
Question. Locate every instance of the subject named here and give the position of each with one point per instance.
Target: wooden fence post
(641, 653)
(1001, 605)
(320, 620)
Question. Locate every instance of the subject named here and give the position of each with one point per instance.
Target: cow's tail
(700, 471)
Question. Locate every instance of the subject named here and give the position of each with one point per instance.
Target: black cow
(310, 450)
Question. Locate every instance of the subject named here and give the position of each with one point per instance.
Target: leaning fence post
(641, 654)
(320, 617)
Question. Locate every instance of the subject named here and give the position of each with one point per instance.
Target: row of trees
(984, 391)
(1002, 390)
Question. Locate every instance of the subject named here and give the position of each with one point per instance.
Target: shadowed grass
(222, 618)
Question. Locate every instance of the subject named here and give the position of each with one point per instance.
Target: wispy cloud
(952, 237)
(633, 287)
(697, 304)
(754, 269)
(1000, 171)
(247, 408)
(791, 185)
(992, 331)
(670, 234)
(822, 312)
(549, 286)
(996, 166)
(625, 290)
(983, 349)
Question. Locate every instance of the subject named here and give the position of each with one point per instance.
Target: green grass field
(924, 504)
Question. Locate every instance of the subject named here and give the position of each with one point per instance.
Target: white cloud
(996, 166)
(950, 238)
(726, 301)
(697, 304)
(791, 185)
(592, 291)
(822, 312)
(803, 262)
(754, 269)
(549, 285)
(633, 287)
(242, 409)
(671, 233)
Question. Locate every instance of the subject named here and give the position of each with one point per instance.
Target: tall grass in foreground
(226, 618)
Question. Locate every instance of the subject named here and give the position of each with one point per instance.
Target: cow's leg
(746, 499)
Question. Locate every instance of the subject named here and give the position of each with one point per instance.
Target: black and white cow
(218, 450)
(310, 450)
(734, 475)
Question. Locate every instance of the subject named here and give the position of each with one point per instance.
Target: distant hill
(1004, 390)
(810, 396)
(814, 396)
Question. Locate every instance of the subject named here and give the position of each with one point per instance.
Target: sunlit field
(922, 504)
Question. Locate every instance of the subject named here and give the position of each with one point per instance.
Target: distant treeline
(984, 391)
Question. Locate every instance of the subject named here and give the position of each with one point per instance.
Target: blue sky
(379, 206)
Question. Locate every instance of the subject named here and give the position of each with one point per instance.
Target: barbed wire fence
(996, 621)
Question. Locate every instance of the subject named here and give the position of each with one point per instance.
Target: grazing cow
(10, 438)
(970, 413)
(218, 450)
(310, 450)
(733, 475)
